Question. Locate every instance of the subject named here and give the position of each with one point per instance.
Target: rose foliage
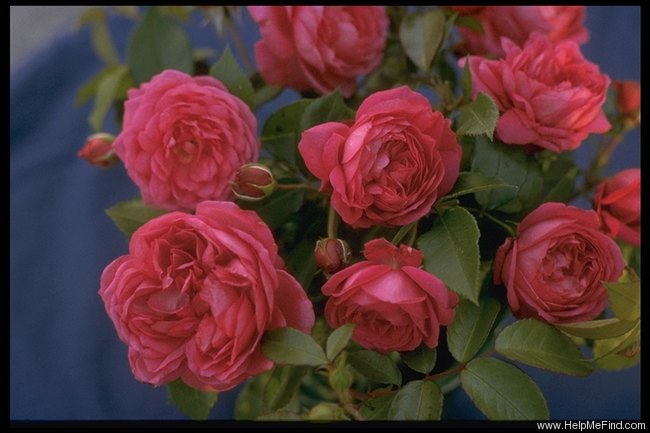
(369, 246)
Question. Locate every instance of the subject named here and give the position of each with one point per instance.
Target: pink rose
(517, 23)
(196, 293)
(547, 93)
(183, 138)
(554, 267)
(394, 304)
(391, 165)
(319, 48)
(617, 202)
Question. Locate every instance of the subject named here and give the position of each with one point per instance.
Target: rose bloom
(394, 304)
(547, 93)
(517, 23)
(391, 165)
(196, 293)
(553, 268)
(319, 48)
(183, 138)
(617, 201)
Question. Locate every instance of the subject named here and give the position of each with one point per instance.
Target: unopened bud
(253, 182)
(332, 255)
(628, 99)
(98, 150)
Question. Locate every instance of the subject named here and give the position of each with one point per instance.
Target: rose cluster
(204, 284)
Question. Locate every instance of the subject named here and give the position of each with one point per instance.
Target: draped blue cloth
(66, 361)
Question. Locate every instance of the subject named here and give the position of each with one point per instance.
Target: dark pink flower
(196, 293)
(391, 165)
(394, 304)
(319, 48)
(553, 268)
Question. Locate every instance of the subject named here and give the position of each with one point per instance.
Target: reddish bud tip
(98, 150)
(628, 97)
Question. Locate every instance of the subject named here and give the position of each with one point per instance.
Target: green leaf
(502, 391)
(282, 385)
(89, 88)
(338, 339)
(376, 409)
(327, 412)
(100, 36)
(471, 22)
(250, 400)
(281, 132)
(328, 108)
(417, 400)
(514, 167)
(621, 352)
(107, 91)
(228, 71)
(471, 327)
(559, 172)
(422, 359)
(538, 344)
(478, 117)
(470, 182)
(375, 366)
(158, 43)
(275, 209)
(451, 252)
(129, 215)
(597, 329)
(625, 299)
(466, 81)
(421, 34)
(265, 93)
(340, 377)
(292, 347)
(192, 402)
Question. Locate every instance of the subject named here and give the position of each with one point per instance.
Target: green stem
(403, 231)
(296, 186)
(482, 213)
(239, 44)
(332, 223)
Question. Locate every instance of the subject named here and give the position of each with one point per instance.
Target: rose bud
(332, 254)
(98, 150)
(628, 98)
(253, 182)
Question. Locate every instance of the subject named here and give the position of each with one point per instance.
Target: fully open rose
(517, 23)
(319, 48)
(196, 293)
(183, 138)
(391, 165)
(618, 204)
(554, 267)
(547, 93)
(394, 304)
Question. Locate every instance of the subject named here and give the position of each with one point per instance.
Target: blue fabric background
(66, 361)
